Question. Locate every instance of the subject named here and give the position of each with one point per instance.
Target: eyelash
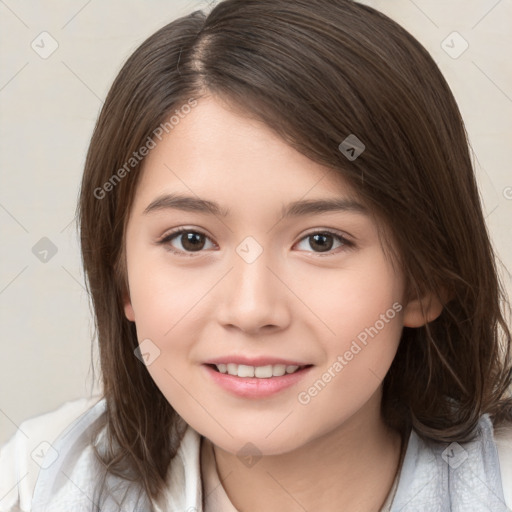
(346, 244)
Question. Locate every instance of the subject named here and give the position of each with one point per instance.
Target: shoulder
(503, 440)
(22, 456)
(444, 474)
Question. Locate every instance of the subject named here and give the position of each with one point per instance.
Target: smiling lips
(261, 372)
(255, 377)
(260, 367)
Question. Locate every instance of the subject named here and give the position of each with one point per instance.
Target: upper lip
(255, 361)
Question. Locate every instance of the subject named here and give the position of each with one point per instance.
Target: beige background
(48, 108)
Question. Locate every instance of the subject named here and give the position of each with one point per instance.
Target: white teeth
(245, 371)
(278, 370)
(261, 372)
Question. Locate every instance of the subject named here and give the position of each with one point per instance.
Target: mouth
(255, 382)
(259, 372)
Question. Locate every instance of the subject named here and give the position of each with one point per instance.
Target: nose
(253, 299)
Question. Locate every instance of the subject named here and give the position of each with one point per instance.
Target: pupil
(192, 241)
(319, 239)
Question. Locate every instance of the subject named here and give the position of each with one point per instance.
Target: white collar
(430, 480)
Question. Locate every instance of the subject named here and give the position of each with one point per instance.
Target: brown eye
(185, 241)
(324, 242)
(192, 241)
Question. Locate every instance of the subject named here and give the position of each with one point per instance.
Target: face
(243, 283)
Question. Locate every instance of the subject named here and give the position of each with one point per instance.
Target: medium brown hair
(314, 71)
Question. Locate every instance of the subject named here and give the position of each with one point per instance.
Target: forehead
(217, 151)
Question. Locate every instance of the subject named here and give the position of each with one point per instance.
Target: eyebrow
(293, 209)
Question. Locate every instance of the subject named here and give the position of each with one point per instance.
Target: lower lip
(253, 387)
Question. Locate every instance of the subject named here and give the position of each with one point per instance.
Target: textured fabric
(66, 483)
(21, 456)
(454, 478)
(434, 477)
(503, 439)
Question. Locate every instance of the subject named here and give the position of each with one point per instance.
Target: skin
(294, 301)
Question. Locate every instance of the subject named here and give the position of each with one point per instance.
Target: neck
(354, 465)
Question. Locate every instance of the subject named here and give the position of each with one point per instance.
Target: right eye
(189, 240)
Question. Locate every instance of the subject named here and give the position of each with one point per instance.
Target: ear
(422, 310)
(128, 308)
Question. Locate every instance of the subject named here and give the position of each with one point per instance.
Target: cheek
(357, 360)
(169, 304)
(357, 298)
(163, 295)
(361, 315)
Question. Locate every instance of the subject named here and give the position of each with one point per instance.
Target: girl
(296, 299)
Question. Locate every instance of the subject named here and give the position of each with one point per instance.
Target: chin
(256, 444)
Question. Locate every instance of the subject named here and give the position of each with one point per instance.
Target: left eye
(194, 241)
(324, 240)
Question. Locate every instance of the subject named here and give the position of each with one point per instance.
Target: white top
(21, 458)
